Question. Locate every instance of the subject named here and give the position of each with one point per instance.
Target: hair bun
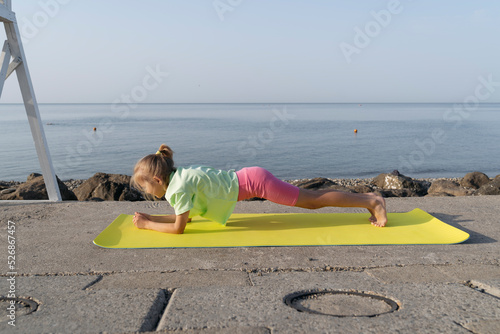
(166, 151)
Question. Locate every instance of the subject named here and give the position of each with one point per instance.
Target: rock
(32, 176)
(7, 191)
(34, 189)
(109, 187)
(395, 173)
(362, 189)
(491, 188)
(320, 183)
(73, 184)
(474, 180)
(95, 199)
(316, 183)
(10, 184)
(439, 195)
(398, 193)
(396, 181)
(338, 187)
(379, 180)
(447, 187)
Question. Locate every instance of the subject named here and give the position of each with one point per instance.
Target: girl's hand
(149, 217)
(140, 220)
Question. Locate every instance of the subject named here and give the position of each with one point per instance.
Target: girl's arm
(177, 227)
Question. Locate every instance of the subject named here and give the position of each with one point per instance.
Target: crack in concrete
(463, 327)
(161, 323)
(483, 288)
(250, 279)
(258, 271)
(155, 313)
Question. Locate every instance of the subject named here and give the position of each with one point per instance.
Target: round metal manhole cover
(15, 307)
(341, 303)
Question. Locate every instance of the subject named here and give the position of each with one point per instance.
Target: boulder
(447, 187)
(362, 189)
(439, 195)
(320, 183)
(396, 181)
(379, 180)
(32, 176)
(316, 183)
(398, 193)
(34, 189)
(490, 188)
(109, 187)
(6, 191)
(474, 180)
(338, 187)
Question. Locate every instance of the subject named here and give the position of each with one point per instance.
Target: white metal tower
(14, 59)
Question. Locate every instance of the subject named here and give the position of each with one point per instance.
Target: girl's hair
(160, 165)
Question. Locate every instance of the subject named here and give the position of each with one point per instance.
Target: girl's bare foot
(372, 218)
(379, 212)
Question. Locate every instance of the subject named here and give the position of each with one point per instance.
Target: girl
(213, 193)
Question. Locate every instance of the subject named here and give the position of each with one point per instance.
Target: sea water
(291, 140)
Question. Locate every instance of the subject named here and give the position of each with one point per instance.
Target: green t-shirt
(204, 191)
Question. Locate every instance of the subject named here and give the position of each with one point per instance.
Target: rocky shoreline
(395, 184)
(116, 187)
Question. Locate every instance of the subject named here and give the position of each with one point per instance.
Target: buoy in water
(95, 129)
(355, 130)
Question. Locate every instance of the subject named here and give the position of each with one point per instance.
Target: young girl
(212, 193)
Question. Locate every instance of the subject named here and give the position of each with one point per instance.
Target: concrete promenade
(82, 288)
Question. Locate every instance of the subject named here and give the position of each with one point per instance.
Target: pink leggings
(258, 182)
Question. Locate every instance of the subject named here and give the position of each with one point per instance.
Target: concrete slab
(154, 280)
(65, 307)
(72, 227)
(471, 272)
(226, 330)
(262, 305)
(484, 326)
(242, 289)
(28, 286)
(413, 274)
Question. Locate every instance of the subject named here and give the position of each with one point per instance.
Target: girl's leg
(311, 199)
(258, 182)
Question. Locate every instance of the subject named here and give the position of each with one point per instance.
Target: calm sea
(291, 140)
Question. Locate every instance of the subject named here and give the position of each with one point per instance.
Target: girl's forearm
(163, 219)
(177, 227)
(162, 227)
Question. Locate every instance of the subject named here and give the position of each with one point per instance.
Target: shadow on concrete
(455, 221)
(155, 312)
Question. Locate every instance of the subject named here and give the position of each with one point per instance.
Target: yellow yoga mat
(290, 229)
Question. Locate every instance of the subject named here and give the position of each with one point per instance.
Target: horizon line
(278, 103)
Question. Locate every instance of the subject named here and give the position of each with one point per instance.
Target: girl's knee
(308, 205)
(308, 200)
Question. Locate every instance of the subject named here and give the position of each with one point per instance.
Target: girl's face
(155, 187)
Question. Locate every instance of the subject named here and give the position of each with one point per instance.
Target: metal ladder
(14, 59)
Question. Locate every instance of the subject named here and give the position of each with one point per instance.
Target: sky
(260, 51)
